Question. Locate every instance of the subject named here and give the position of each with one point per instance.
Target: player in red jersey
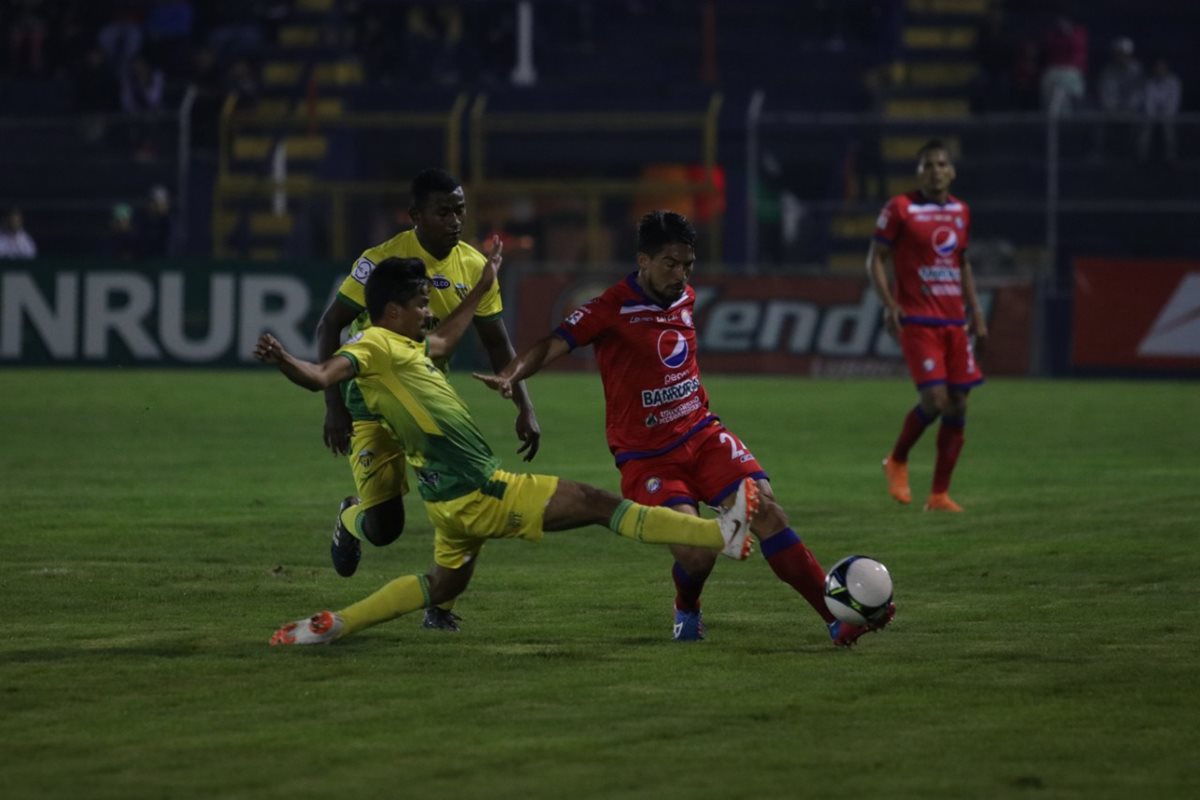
(925, 234)
(670, 448)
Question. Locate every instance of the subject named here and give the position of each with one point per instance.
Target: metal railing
(481, 185)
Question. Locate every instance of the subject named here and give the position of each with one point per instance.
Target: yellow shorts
(512, 506)
(377, 461)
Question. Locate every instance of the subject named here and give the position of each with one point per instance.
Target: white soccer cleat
(321, 628)
(735, 521)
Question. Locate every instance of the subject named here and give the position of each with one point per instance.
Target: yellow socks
(660, 525)
(399, 597)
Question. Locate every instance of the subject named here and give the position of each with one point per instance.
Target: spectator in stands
(121, 37)
(142, 86)
(240, 80)
(1065, 47)
(123, 238)
(27, 37)
(15, 241)
(1120, 90)
(155, 227)
(1161, 99)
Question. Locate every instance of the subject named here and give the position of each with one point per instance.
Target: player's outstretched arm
(444, 338)
(314, 377)
(542, 352)
(500, 352)
(338, 423)
(878, 258)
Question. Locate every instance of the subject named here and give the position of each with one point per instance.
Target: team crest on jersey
(958, 223)
(945, 241)
(686, 316)
(653, 485)
(440, 282)
(365, 457)
(362, 270)
(355, 337)
(927, 365)
(672, 349)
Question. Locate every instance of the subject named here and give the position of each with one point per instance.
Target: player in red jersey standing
(925, 234)
(671, 450)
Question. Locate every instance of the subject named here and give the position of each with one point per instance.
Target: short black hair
(661, 228)
(931, 146)
(429, 181)
(394, 280)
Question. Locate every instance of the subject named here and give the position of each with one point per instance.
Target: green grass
(159, 525)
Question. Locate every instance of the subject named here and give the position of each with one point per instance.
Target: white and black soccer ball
(858, 590)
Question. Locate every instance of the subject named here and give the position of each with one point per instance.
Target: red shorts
(707, 467)
(940, 354)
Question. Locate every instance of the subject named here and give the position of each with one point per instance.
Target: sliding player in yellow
(468, 497)
(375, 512)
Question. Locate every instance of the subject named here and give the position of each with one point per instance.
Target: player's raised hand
(528, 431)
(269, 350)
(496, 383)
(495, 259)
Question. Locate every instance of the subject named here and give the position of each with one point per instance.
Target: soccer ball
(858, 590)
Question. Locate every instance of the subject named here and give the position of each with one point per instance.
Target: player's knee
(383, 524)
(770, 518)
(697, 562)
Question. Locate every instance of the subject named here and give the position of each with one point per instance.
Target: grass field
(159, 525)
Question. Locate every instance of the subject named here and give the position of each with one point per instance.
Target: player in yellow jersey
(376, 512)
(468, 497)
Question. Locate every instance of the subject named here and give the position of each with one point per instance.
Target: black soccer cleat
(345, 550)
(441, 619)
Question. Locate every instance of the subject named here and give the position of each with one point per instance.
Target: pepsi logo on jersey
(672, 349)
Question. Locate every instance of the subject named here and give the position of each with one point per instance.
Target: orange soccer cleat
(897, 478)
(941, 502)
(321, 628)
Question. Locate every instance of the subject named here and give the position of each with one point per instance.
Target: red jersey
(647, 358)
(927, 241)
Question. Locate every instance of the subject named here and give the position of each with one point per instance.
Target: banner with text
(1139, 314)
(816, 326)
(169, 313)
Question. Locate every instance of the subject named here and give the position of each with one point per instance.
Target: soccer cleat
(897, 478)
(441, 619)
(845, 634)
(941, 502)
(321, 628)
(345, 550)
(689, 626)
(735, 521)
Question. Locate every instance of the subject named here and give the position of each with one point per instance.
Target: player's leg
(575, 505)
(926, 364)
(399, 597)
(964, 373)
(455, 553)
(375, 514)
(689, 573)
(949, 444)
(664, 481)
